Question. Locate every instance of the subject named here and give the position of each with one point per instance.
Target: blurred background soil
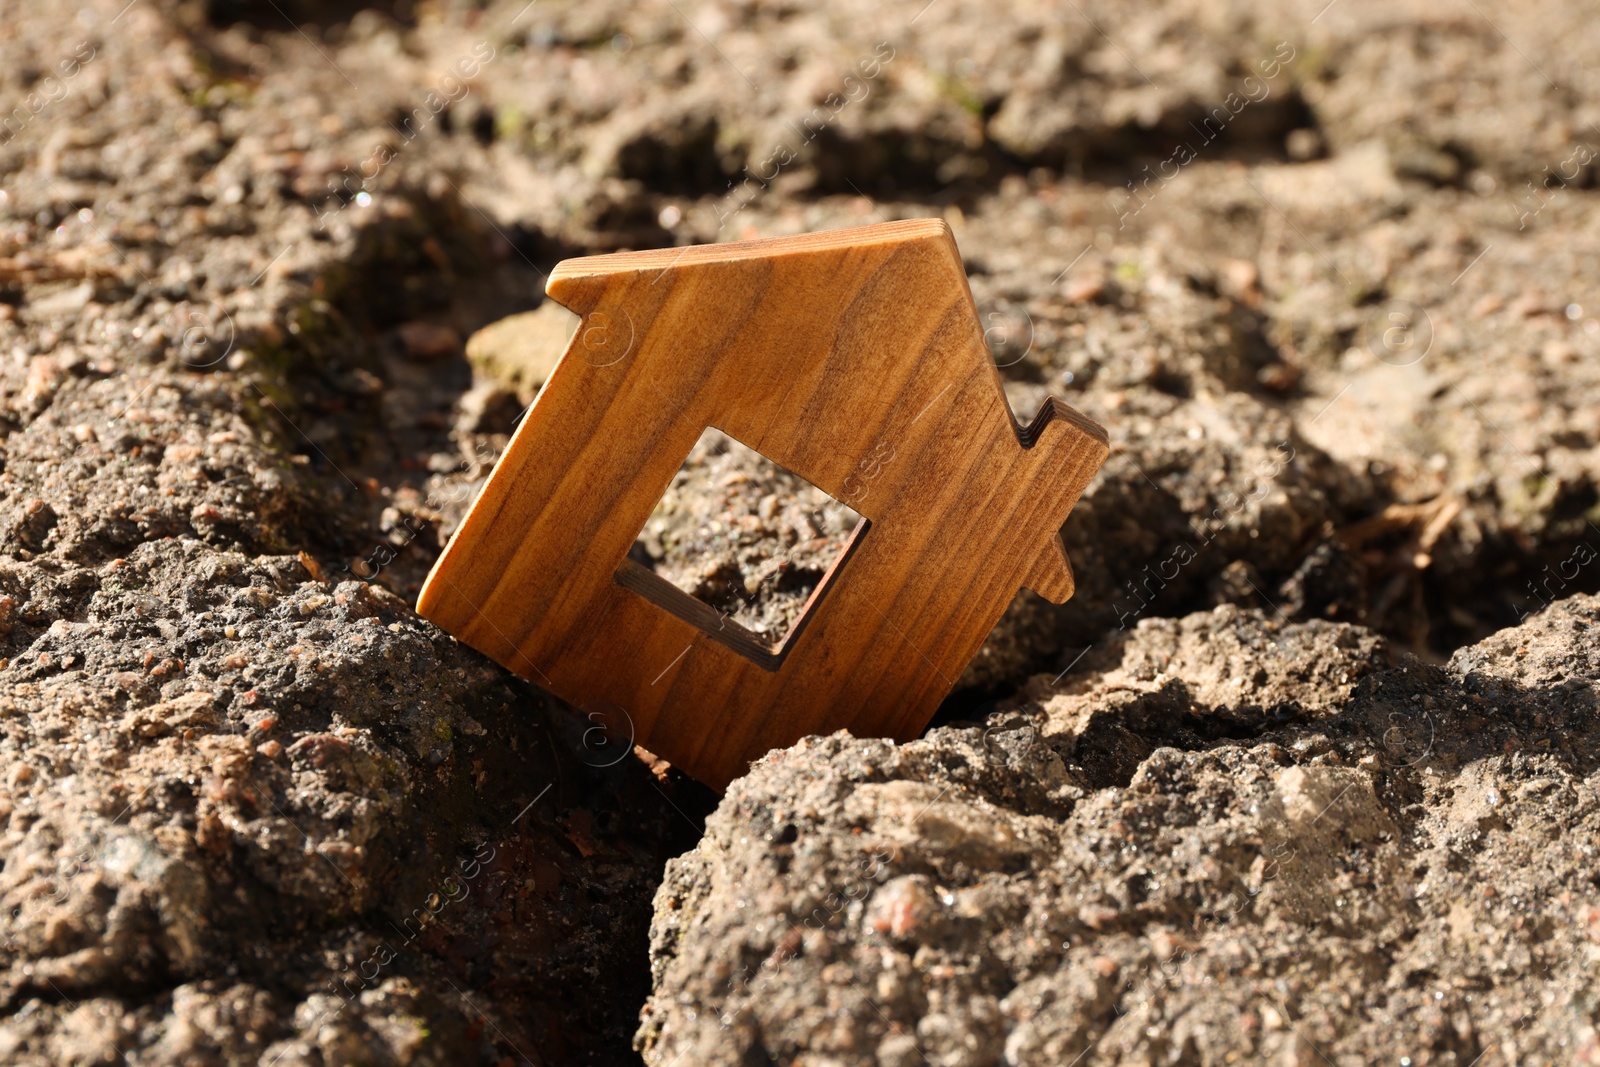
(1325, 272)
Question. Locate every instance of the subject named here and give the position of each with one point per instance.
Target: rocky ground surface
(1310, 769)
(1228, 839)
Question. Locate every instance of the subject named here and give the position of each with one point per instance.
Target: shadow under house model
(855, 359)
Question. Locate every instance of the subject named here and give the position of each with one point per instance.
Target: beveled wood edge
(1050, 411)
(761, 248)
(637, 578)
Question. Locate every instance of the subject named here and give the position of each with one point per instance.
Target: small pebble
(428, 340)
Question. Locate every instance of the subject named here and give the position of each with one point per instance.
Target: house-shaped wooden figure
(854, 358)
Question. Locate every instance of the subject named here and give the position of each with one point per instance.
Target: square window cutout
(742, 548)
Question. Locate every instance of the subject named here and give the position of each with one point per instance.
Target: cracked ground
(1305, 773)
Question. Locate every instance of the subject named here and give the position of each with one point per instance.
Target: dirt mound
(1230, 839)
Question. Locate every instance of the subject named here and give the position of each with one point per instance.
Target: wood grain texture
(855, 359)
